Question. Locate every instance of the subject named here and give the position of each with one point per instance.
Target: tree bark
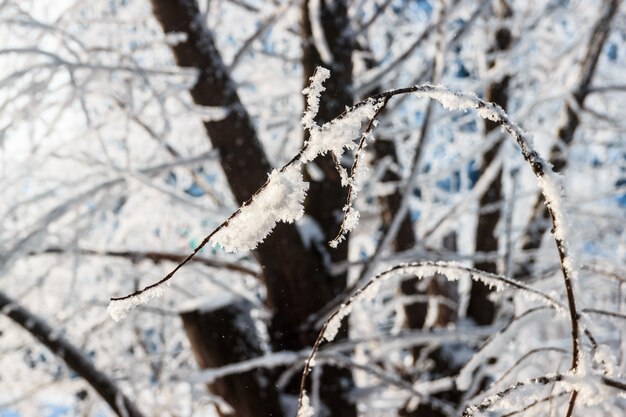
(416, 319)
(285, 259)
(225, 334)
(480, 308)
(327, 196)
(297, 282)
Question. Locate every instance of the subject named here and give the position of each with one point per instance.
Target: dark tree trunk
(480, 308)
(390, 204)
(226, 334)
(326, 196)
(416, 318)
(284, 257)
(297, 283)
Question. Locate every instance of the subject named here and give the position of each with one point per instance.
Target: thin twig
(156, 257)
(414, 268)
(351, 194)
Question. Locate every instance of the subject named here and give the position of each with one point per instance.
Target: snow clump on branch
(119, 309)
(281, 199)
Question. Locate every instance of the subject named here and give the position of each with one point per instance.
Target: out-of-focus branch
(71, 355)
(156, 257)
(540, 222)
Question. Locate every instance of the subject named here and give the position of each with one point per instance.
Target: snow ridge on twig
(281, 200)
(118, 310)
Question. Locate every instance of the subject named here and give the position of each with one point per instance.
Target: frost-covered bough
(282, 196)
(114, 62)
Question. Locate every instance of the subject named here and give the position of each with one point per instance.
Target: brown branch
(154, 256)
(614, 314)
(537, 164)
(263, 27)
(526, 356)
(71, 355)
(540, 168)
(380, 8)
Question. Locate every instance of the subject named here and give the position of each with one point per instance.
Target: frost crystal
(451, 101)
(119, 309)
(339, 134)
(280, 200)
(334, 324)
(305, 410)
(551, 186)
(313, 93)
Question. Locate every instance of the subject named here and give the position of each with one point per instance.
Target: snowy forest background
(130, 130)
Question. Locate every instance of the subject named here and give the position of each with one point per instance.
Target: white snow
(119, 309)
(280, 200)
(340, 133)
(450, 100)
(207, 304)
(334, 324)
(350, 222)
(174, 38)
(313, 92)
(305, 409)
(551, 186)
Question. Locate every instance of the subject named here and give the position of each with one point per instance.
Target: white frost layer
(119, 309)
(340, 133)
(352, 215)
(281, 200)
(305, 410)
(336, 136)
(334, 324)
(313, 93)
(451, 100)
(551, 186)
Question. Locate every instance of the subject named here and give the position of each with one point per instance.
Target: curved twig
(420, 269)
